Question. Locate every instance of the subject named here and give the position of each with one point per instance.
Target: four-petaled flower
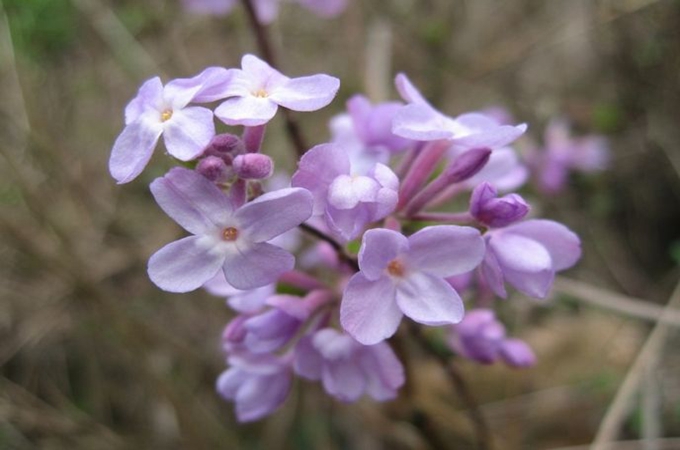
(257, 90)
(234, 240)
(156, 111)
(401, 275)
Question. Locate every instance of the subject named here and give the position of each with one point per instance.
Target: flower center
(166, 115)
(230, 234)
(395, 268)
(261, 93)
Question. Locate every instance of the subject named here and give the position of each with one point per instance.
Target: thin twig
(630, 306)
(620, 407)
(456, 379)
(336, 246)
(267, 50)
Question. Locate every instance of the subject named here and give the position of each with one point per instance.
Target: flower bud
(253, 166)
(224, 144)
(213, 168)
(517, 353)
(234, 332)
(495, 211)
(478, 336)
(467, 164)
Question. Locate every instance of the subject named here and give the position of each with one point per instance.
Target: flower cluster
(384, 184)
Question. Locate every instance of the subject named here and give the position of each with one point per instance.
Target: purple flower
(421, 122)
(258, 384)
(156, 111)
(347, 201)
(402, 275)
(564, 153)
(232, 240)
(373, 123)
(504, 170)
(249, 301)
(348, 369)
(527, 255)
(478, 336)
(361, 156)
(270, 330)
(481, 337)
(494, 211)
(257, 90)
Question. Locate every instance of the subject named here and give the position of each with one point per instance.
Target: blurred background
(93, 356)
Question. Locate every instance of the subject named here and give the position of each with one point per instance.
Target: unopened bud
(253, 166)
(494, 211)
(234, 332)
(223, 144)
(213, 168)
(467, 164)
(517, 353)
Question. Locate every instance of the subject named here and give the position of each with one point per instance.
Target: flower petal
(191, 200)
(260, 396)
(383, 371)
(133, 149)
(493, 274)
(306, 93)
(445, 250)
(485, 132)
(429, 300)
(208, 86)
(149, 97)
(563, 244)
(183, 265)
(317, 169)
(420, 122)
(343, 380)
(525, 263)
(249, 111)
(257, 265)
(274, 213)
(308, 361)
(368, 311)
(407, 90)
(378, 247)
(188, 132)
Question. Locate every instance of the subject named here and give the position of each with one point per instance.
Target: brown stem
(456, 379)
(336, 246)
(267, 50)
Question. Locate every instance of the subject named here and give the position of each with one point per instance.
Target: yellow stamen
(166, 115)
(261, 93)
(230, 234)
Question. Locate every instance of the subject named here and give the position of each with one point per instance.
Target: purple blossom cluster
(385, 184)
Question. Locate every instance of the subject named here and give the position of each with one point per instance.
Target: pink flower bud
(224, 144)
(494, 211)
(253, 166)
(467, 164)
(213, 168)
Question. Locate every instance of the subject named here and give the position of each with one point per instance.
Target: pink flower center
(230, 234)
(395, 268)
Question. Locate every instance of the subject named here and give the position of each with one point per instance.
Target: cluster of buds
(384, 184)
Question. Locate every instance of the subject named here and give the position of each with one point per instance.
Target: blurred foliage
(42, 29)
